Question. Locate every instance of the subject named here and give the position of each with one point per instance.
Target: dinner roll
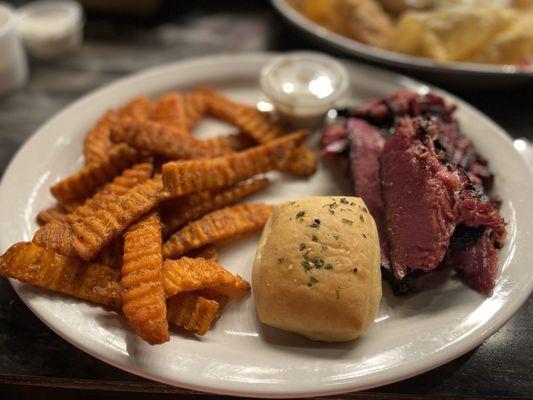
(317, 268)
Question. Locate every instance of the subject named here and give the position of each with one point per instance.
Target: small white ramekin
(44, 43)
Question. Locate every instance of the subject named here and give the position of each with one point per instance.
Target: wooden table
(36, 363)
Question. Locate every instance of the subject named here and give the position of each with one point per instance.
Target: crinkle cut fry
(139, 108)
(93, 282)
(56, 236)
(97, 142)
(170, 110)
(83, 183)
(37, 266)
(257, 125)
(302, 162)
(195, 107)
(93, 233)
(54, 213)
(192, 312)
(189, 274)
(100, 284)
(171, 142)
(175, 213)
(112, 254)
(218, 225)
(129, 178)
(143, 293)
(185, 177)
(248, 119)
(164, 140)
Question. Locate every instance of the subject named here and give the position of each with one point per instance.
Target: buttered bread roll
(317, 268)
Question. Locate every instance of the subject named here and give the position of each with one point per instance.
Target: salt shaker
(13, 62)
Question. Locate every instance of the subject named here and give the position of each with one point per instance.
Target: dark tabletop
(36, 363)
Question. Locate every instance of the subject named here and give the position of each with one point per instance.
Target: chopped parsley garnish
(315, 224)
(361, 218)
(344, 201)
(323, 247)
(328, 266)
(312, 281)
(314, 238)
(337, 237)
(306, 265)
(364, 209)
(281, 259)
(300, 214)
(331, 211)
(301, 247)
(347, 221)
(318, 262)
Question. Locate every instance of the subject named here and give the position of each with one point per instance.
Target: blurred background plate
(457, 74)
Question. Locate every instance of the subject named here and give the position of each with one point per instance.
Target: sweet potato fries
(137, 229)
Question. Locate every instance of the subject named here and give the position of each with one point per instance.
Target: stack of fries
(135, 228)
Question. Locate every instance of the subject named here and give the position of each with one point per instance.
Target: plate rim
(388, 57)
(247, 389)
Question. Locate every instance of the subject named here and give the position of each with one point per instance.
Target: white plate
(463, 73)
(239, 356)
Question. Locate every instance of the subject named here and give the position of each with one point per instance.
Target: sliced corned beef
(366, 144)
(425, 190)
(476, 263)
(418, 191)
(384, 113)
